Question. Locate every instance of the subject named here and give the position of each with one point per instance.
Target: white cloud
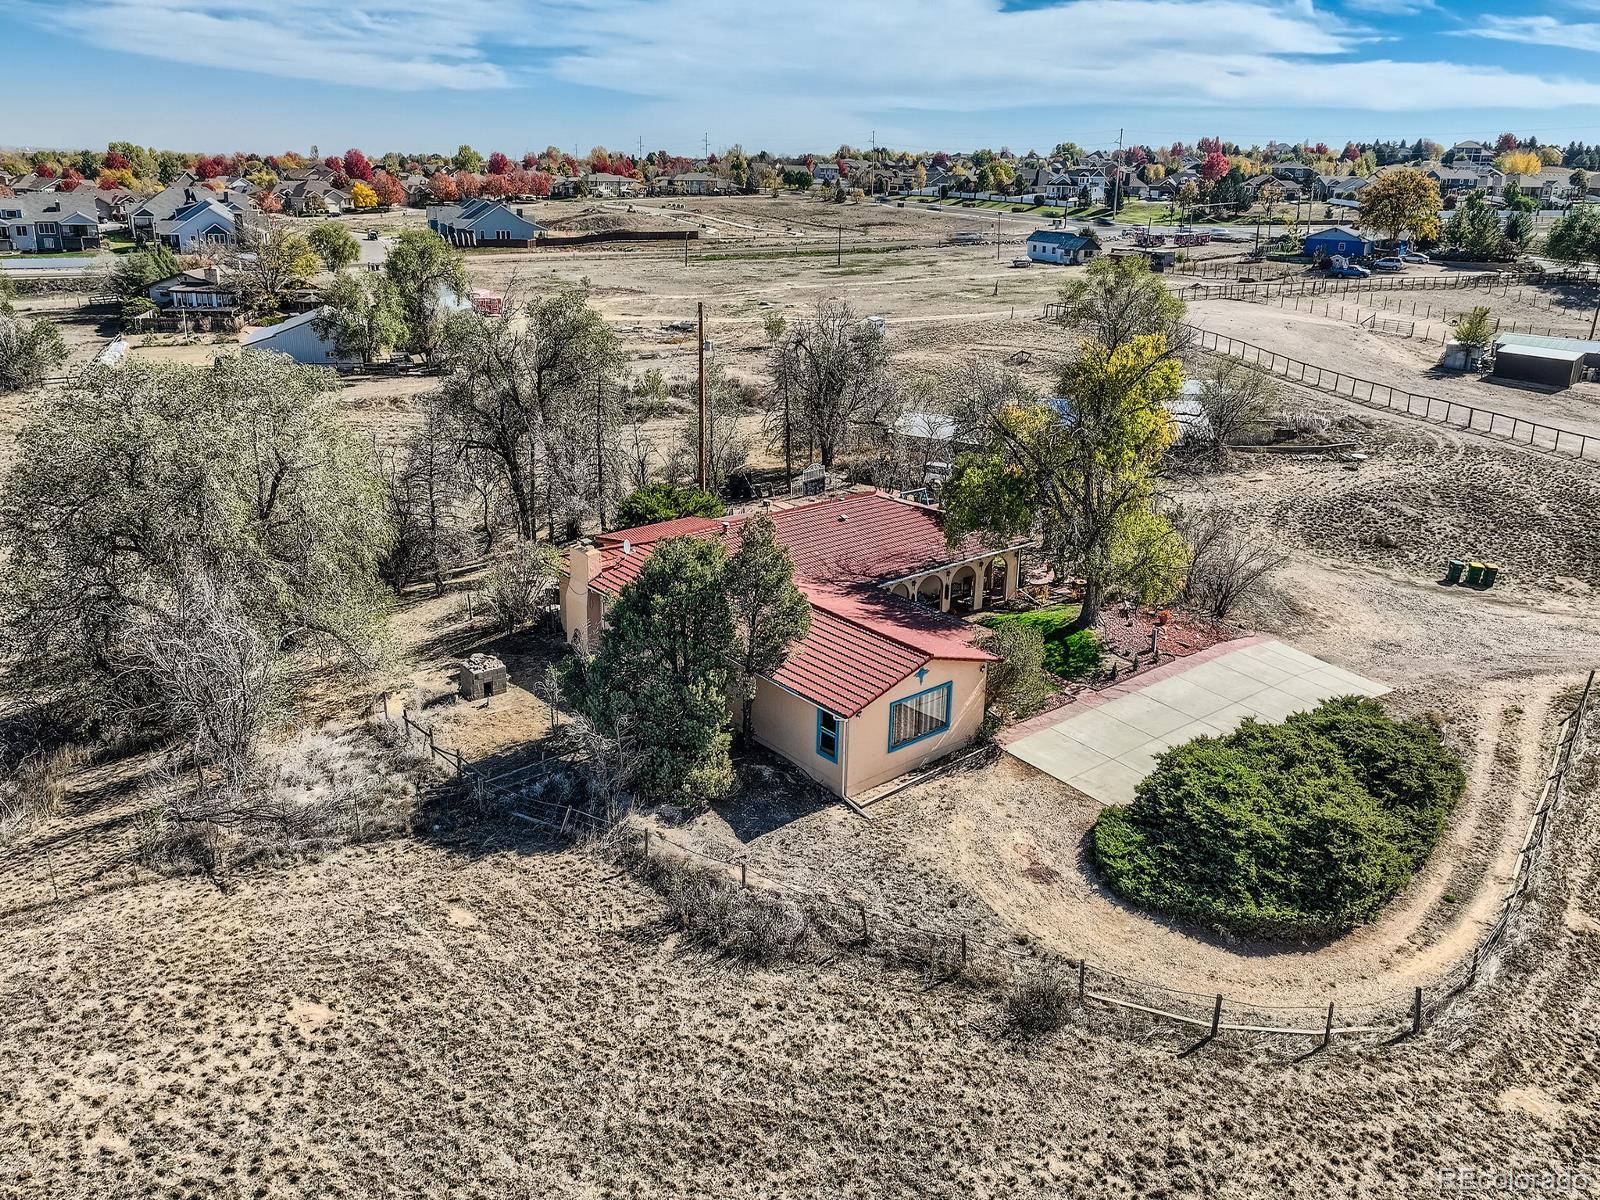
(1538, 31)
(391, 44)
(844, 58)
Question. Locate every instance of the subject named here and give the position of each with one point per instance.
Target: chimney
(188, 195)
(583, 564)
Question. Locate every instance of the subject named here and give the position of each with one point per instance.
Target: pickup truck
(1348, 271)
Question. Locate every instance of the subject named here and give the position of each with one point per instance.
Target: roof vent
(843, 518)
(725, 527)
(627, 546)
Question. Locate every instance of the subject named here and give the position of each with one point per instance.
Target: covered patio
(973, 585)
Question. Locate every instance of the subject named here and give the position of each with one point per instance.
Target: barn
(1551, 362)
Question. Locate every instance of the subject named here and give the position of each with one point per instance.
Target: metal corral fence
(1372, 317)
(840, 922)
(1436, 409)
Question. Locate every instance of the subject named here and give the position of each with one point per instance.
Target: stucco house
(48, 222)
(887, 678)
(481, 223)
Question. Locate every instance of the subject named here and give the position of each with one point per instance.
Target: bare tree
(1236, 400)
(1228, 563)
(425, 485)
(834, 369)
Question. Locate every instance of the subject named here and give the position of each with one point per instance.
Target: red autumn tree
(1214, 166)
(209, 166)
(1351, 152)
(442, 188)
(269, 202)
(530, 161)
(356, 166)
(467, 185)
(333, 162)
(1321, 150)
(71, 177)
(114, 161)
(1505, 143)
(496, 187)
(498, 164)
(390, 190)
(44, 170)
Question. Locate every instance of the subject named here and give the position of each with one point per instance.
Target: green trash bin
(1491, 572)
(1452, 574)
(1474, 574)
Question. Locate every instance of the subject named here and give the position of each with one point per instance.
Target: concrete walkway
(1106, 743)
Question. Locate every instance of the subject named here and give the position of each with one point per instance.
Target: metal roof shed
(1546, 366)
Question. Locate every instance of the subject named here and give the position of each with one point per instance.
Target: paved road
(32, 263)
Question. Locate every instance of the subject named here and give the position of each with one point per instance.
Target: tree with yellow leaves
(362, 195)
(1079, 470)
(1402, 201)
(1519, 162)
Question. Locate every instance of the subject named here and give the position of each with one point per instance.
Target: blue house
(1058, 246)
(1338, 240)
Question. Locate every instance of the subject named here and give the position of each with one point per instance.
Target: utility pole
(600, 451)
(838, 256)
(1595, 323)
(700, 312)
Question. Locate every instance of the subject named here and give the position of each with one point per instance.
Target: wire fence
(836, 921)
(1435, 409)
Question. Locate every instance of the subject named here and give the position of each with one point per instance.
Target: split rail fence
(842, 922)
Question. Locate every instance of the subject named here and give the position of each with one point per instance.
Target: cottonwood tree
(424, 484)
(428, 274)
(662, 672)
(1079, 471)
(1116, 300)
(1575, 237)
(362, 316)
(727, 443)
(133, 274)
(532, 391)
(30, 351)
(833, 367)
(770, 613)
(241, 470)
(1402, 201)
(335, 245)
(268, 262)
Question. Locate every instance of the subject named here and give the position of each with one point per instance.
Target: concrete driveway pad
(1105, 746)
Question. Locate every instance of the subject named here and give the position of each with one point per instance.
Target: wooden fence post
(1083, 966)
(1416, 1012)
(1216, 1016)
(1327, 1029)
(742, 879)
(862, 908)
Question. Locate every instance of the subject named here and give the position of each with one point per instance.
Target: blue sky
(218, 75)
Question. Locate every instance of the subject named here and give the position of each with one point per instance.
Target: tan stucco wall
(871, 762)
(784, 722)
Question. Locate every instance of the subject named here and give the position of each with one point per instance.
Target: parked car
(1390, 264)
(1412, 256)
(1347, 270)
(1104, 221)
(1022, 262)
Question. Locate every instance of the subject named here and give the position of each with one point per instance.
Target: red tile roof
(863, 641)
(860, 536)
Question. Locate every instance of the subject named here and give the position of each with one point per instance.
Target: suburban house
(885, 680)
(1325, 243)
(312, 198)
(1467, 177)
(1299, 172)
(1060, 246)
(482, 223)
(1463, 153)
(34, 182)
(204, 291)
(1549, 185)
(143, 217)
(48, 222)
(602, 183)
(1339, 187)
(701, 183)
(206, 220)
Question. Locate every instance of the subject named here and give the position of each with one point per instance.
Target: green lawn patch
(1071, 654)
(1299, 830)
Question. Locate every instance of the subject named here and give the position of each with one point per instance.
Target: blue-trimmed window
(827, 735)
(920, 716)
